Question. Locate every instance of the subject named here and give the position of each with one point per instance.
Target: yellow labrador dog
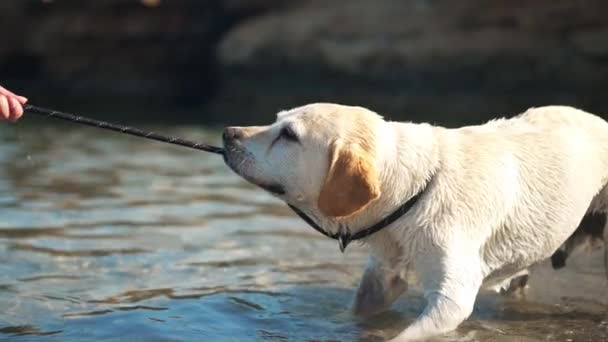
(463, 208)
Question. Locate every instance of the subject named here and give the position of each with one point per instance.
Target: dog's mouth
(238, 160)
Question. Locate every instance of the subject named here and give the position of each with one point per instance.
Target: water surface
(108, 237)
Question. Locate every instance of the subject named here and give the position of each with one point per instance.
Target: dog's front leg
(380, 286)
(451, 284)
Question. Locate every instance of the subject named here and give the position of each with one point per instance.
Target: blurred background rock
(239, 61)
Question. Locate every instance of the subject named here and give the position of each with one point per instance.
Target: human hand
(10, 105)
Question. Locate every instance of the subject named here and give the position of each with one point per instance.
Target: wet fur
(500, 197)
(588, 235)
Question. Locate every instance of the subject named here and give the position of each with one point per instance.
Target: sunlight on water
(106, 237)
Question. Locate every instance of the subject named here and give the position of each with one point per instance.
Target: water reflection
(105, 237)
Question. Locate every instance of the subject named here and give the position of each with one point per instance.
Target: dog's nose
(231, 133)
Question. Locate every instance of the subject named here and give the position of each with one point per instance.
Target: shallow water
(107, 237)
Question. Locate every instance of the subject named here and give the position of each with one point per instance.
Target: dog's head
(321, 156)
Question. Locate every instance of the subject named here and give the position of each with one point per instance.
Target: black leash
(343, 237)
(122, 129)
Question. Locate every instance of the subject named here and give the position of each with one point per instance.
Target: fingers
(16, 109)
(8, 93)
(10, 108)
(5, 111)
(11, 105)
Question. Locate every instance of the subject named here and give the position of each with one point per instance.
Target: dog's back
(550, 164)
(592, 228)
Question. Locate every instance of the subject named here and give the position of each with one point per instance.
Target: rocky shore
(450, 62)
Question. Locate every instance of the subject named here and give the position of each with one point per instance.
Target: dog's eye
(288, 133)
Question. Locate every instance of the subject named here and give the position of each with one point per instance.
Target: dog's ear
(351, 183)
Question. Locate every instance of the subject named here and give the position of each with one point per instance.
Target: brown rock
(386, 37)
(416, 56)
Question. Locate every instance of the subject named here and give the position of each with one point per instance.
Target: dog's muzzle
(237, 157)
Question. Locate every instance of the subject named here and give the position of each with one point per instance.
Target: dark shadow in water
(51, 277)
(76, 253)
(7, 288)
(87, 313)
(135, 296)
(22, 330)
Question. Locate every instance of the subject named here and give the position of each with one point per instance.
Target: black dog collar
(344, 237)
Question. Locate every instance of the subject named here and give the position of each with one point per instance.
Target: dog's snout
(231, 133)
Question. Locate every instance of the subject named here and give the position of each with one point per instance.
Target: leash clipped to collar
(344, 237)
(122, 129)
